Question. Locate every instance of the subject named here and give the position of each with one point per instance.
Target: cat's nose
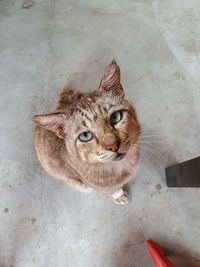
(113, 147)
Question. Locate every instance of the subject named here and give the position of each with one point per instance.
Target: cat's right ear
(111, 79)
(53, 122)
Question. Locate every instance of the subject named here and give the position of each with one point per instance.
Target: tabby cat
(91, 140)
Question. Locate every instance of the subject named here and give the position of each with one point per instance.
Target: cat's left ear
(54, 122)
(111, 79)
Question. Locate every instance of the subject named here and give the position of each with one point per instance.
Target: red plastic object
(158, 255)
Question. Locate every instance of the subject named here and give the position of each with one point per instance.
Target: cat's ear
(53, 122)
(111, 79)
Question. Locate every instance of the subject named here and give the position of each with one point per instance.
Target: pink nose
(113, 147)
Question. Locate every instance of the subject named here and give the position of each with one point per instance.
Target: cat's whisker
(156, 142)
(103, 156)
(152, 141)
(152, 151)
(143, 137)
(156, 154)
(142, 157)
(145, 162)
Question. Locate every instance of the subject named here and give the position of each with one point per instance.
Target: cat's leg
(120, 196)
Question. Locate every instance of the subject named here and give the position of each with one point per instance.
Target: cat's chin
(119, 156)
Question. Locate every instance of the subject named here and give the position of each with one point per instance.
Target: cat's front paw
(120, 197)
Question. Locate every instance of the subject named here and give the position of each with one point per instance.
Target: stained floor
(69, 42)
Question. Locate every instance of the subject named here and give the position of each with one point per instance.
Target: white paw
(120, 199)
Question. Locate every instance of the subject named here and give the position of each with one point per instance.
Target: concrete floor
(70, 42)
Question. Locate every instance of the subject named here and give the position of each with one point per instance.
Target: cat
(91, 140)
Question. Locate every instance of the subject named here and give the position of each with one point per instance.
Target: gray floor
(69, 42)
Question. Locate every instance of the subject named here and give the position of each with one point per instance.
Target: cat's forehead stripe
(87, 116)
(105, 109)
(84, 123)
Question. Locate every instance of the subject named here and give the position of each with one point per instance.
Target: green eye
(115, 117)
(85, 136)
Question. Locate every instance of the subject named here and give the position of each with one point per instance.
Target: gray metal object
(185, 174)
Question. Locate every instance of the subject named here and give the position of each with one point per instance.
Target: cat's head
(97, 127)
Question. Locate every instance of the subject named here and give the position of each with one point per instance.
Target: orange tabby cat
(91, 139)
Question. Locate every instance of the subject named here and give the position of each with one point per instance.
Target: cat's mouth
(119, 156)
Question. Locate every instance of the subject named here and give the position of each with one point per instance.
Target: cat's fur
(91, 164)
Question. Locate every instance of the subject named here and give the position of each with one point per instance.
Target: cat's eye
(115, 117)
(85, 136)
